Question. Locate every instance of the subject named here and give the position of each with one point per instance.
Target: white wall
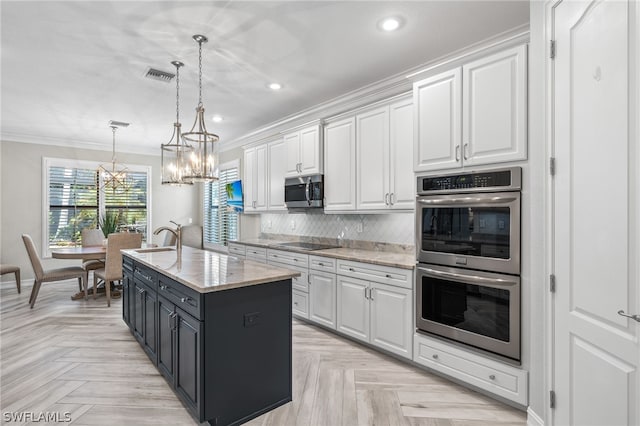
(21, 198)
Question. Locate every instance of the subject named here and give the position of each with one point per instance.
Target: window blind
(220, 220)
(129, 203)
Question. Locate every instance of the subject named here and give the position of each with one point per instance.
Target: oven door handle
(470, 199)
(471, 279)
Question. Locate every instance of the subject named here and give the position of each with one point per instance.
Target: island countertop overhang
(208, 271)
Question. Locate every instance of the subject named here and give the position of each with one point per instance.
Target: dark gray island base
(225, 352)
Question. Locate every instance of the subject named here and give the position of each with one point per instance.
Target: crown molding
(395, 85)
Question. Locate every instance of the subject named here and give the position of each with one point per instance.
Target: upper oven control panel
(508, 179)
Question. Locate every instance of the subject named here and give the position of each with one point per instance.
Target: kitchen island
(217, 327)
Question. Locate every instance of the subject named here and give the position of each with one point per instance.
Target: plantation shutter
(220, 220)
(129, 203)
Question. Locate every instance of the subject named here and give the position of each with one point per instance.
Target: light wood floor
(78, 357)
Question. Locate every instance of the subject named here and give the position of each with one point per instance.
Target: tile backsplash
(396, 228)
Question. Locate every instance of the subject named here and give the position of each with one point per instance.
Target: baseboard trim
(533, 419)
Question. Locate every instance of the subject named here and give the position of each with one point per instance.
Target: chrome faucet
(178, 234)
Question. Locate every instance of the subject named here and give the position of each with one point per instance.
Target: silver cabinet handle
(352, 270)
(492, 377)
(365, 293)
(464, 151)
(295, 303)
(371, 293)
(633, 317)
(163, 287)
(185, 299)
(391, 197)
(434, 356)
(386, 198)
(320, 264)
(387, 275)
(457, 152)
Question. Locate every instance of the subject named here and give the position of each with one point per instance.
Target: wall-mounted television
(234, 195)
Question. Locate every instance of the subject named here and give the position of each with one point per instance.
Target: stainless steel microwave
(304, 192)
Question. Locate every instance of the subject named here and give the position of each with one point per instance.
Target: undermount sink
(154, 249)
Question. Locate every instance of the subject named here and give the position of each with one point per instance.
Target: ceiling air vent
(155, 74)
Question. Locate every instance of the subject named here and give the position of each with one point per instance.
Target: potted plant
(108, 223)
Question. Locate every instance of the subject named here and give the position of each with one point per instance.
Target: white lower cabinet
(238, 250)
(493, 376)
(257, 254)
(299, 285)
(300, 300)
(376, 312)
(322, 298)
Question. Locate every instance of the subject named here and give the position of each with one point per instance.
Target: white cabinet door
(495, 108)
(372, 165)
(392, 318)
(353, 307)
(249, 179)
(339, 159)
(437, 122)
(292, 146)
(260, 179)
(276, 171)
(322, 298)
(402, 183)
(310, 151)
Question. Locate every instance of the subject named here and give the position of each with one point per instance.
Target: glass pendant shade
(175, 153)
(114, 175)
(201, 166)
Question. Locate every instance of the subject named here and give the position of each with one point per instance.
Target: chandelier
(202, 159)
(114, 176)
(174, 154)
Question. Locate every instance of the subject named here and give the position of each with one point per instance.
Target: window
(75, 201)
(220, 219)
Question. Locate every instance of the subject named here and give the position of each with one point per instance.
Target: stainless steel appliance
(468, 253)
(304, 192)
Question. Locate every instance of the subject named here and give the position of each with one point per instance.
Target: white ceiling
(68, 67)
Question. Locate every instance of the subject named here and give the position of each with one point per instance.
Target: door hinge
(552, 399)
(552, 283)
(552, 49)
(552, 166)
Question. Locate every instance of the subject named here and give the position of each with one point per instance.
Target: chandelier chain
(177, 94)
(113, 157)
(200, 72)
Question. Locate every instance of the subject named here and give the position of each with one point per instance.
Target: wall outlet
(359, 227)
(293, 225)
(190, 220)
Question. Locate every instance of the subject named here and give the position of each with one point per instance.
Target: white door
(372, 164)
(494, 108)
(392, 318)
(353, 307)
(402, 183)
(292, 144)
(437, 122)
(310, 150)
(322, 298)
(276, 171)
(596, 213)
(339, 160)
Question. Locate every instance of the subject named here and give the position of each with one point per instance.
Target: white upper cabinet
(304, 151)
(372, 161)
(255, 179)
(437, 121)
(472, 115)
(340, 157)
(494, 108)
(384, 146)
(276, 154)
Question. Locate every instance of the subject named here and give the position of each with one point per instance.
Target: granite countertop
(207, 271)
(383, 258)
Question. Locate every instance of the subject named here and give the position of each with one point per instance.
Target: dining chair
(113, 265)
(91, 238)
(11, 269)
(58, 274)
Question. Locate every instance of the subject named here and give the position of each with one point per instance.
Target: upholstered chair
(113, 266)
(11, 269)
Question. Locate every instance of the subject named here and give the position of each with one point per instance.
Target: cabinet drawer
(320, 263)
(382, 274)
(145, 275)
(258, 254)
(182, 296)
(289, 258)
(237, 249)
(300, 302)
(498, 378)
(127, 263)
(300, 283)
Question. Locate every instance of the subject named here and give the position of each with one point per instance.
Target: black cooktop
(306, 246)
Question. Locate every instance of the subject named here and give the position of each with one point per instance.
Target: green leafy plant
(109, 223)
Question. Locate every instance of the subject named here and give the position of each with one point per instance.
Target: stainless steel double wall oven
(468, 253)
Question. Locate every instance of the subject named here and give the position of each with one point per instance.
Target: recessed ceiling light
(389, 24)
(275, 86)
(217, 119)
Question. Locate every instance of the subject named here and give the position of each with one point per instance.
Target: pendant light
(175, 153)
(114, 176)
(202, 160)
